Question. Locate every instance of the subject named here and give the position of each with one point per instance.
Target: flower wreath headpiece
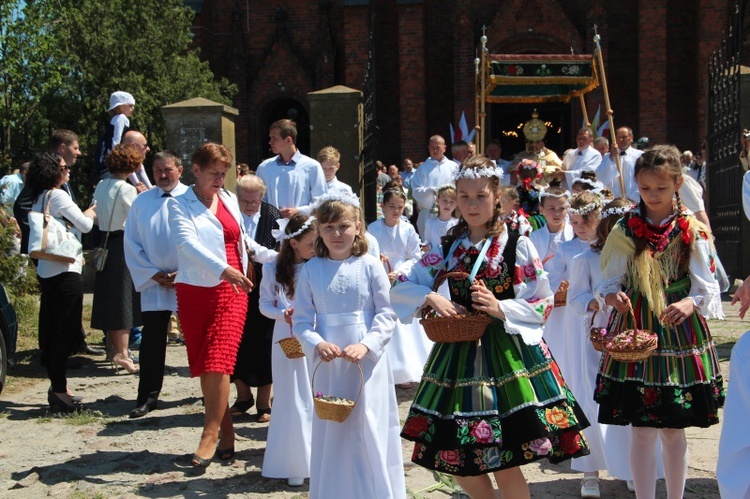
(341, 196)
(484, 172)
(620, 211)
(594, 184)
(547, 194)
(585, 209)
(280, 233)
(528, 164)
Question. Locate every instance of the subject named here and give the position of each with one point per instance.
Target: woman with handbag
(117, 306)
(60, 281)
(212, 259)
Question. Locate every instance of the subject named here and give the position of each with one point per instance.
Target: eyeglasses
(249, 203)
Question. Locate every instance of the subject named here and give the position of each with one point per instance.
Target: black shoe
(240, 407)
(144, 408)
(58, 404)
(90, 350)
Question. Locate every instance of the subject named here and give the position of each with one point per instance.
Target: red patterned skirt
(212, 321)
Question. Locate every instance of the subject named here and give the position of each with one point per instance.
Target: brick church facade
(655, 53)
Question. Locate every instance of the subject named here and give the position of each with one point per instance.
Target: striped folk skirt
(491, 405)
(680, 385)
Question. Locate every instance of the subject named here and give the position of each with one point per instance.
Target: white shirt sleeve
(119, 121)
(61, 205)
(704, 289)
(268, 302)
(525, 314)
(384, 322)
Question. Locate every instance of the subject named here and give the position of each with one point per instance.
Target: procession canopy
(532, 78)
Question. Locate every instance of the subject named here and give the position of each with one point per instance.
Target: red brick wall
(656, 56)
(411, 74)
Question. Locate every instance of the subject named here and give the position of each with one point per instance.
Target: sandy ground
(109, 455)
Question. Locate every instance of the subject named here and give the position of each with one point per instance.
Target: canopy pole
(612, 131)
(477, 90)
(585, 113)
(483, 102)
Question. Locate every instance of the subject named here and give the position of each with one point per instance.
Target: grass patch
(83, 417)
(79, 494)
(4, 415)
(27, 311)
(44, 419)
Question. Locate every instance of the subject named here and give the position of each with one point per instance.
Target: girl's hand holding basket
(619, 301)
(443, 306)
(485, 301)
(355, 352)
(327, 351)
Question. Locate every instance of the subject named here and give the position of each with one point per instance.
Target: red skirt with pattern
(213, 319)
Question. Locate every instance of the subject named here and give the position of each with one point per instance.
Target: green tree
(94, 48)
(31, 69)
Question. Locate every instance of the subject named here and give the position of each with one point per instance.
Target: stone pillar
(336, 120)
(192, 123)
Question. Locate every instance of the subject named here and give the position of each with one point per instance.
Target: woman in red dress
(211, 284)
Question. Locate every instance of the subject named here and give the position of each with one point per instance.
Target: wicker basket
(455, 328)
(598, 335)
(331, 411)
(632, 345)
(292, 347)
(561, 295)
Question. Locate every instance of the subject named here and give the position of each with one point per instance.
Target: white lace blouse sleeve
(412, 286)
(704, 289)
(580, 292)
(384, 322)
(524, 227)
(303, 320)
(525, 314)
(268, 301)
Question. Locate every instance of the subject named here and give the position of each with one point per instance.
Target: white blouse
(524, 315)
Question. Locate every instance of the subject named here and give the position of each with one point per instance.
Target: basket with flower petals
(454, 328)
(599, 336)
(632, 345)
(333, 408)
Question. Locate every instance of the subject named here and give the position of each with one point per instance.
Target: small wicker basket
(292, 347)
(561, 295)
(332, 411)
(632, 345)
(455, 328)
(599, 336)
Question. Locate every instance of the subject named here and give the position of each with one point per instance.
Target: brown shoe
(264, 415)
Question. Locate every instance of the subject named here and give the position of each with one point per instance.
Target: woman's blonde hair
(330, 212)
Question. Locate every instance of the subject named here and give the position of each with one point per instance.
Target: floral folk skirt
(491, 405)
(680, 385)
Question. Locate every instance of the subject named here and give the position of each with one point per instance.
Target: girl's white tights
(643, 461)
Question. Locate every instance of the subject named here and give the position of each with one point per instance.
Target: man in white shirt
(329, 159)
(293, 180)
(437, 170)
(583, 157)
(153, 265)
(607, 172)
(460, 151)
(408, 173)
(493, 151)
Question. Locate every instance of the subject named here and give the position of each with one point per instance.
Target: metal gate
(371, 132)
(723, 143)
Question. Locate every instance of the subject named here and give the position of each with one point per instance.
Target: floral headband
(484, 172)
(547, 194)
(280, 233)
(585, 209)
(616, 211)
(594, 184)
(528, 164)
(341, 196)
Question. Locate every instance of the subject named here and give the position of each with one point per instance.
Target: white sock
(674, 457)
(643, 461)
